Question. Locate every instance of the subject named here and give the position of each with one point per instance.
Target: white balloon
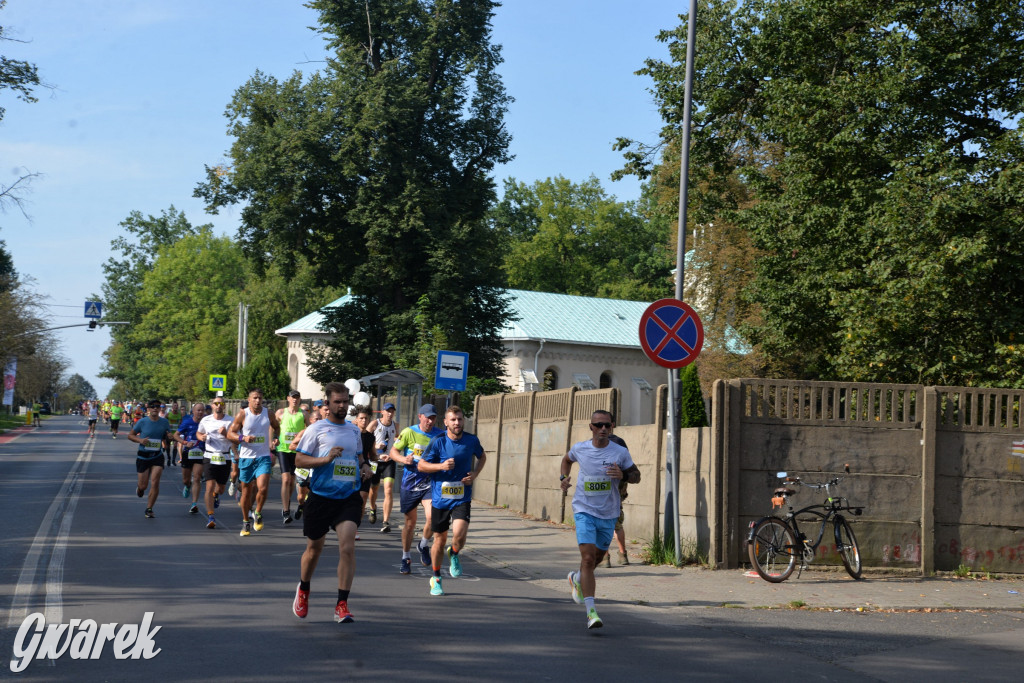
(361, 399)
(353, 386)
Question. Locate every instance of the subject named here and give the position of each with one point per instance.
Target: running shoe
(287, 515)
(455, 564)
(211, 523)
(257, 523)
(406, 566)
(435, 586)
(194, 510)
(386, 529)
(216, 501)
(424, 555)
(186, 489)
(246, 529)
(300, 606)
(231, 488)
(574, 587)
(149, 513)
(357, 534)
(593, 621)
(298, 512)
(139, 492)
(341, 613)
(372, 516)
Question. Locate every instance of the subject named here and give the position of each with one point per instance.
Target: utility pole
(242, 356)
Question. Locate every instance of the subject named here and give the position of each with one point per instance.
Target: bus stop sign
(671, 333)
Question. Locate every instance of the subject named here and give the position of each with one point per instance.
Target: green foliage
(75, 390)
(574, 239)
(878, 148)
(377, 170)
(691, 411)
(267, 368)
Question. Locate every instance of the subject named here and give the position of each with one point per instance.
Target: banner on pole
(10, 370)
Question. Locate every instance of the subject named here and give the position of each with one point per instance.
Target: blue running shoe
(425, 555)
(406, 566)
(435, 586)
(455, 565)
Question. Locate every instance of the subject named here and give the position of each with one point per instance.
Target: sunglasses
(600, 425)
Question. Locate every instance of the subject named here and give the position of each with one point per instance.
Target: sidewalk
(544, 552)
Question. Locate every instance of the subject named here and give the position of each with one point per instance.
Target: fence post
(929, 423)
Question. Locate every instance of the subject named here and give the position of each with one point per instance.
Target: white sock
(424, 543)
(407, 555)
(589, 603)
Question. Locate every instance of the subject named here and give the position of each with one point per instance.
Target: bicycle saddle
(782, 491)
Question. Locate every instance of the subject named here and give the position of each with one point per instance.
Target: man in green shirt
(293, 420)
(116, 413)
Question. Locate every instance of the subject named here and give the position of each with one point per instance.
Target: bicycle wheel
(772, 549)
(846, 545)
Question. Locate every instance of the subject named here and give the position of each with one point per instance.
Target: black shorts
(92, 421)
(188, 463)
(143, 464)
(386, 470)
(441, 518)
(319, 514)
(218, 473)
(114, 424)
(287, 461)
(408, 500)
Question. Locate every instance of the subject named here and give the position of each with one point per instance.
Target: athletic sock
(589, 603)
(407, 555)
(342, 595)
(424, 543)
(303, 585)
(452, 550)
(437, 572)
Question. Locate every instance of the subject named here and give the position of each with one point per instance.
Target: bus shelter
(404, 388)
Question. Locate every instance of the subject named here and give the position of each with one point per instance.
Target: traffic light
(92, 325)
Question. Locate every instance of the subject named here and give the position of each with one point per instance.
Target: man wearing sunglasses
(218, 463)
(596, 503)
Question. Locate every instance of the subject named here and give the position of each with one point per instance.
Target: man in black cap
(408, 450)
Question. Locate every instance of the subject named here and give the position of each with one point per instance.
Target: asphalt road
(77, 546)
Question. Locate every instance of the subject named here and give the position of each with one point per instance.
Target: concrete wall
(939, 470)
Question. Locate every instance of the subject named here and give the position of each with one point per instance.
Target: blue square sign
(93, 309)
(452, 370)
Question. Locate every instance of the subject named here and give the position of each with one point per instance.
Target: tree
(189, 297)
(20, 319)
(570, 238)
(135, 254)
(878, 147)
(75, 390)
(691, 413)
(377, 170)
(39, 375)
(22, 78)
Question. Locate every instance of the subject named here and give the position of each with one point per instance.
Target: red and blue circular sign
(671, 333)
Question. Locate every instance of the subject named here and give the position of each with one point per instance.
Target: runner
(192, 456)
(217, 460)
(93, 415)
(415, 486)
(137, 414)
(363, 416)
(332, 449)
(174, 417)
(596, 503)
(292, 421)
(251, 431)
(383, 430)
(302, 473)
(149, 433)
(449, 462)
(116, 413)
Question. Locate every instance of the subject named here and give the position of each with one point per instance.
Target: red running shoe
(301, 604)
(341, 613)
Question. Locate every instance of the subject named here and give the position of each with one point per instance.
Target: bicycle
(774, 544)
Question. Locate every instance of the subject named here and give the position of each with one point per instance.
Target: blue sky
(140, 87)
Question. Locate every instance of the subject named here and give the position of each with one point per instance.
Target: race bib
(417, 451)
(346, 471)
(373, 466)
(301, 473)
(151, 445)
(597, 486)
(257, 439)
(289, 436)
(195, 454)
(217, 459)
(453, 490)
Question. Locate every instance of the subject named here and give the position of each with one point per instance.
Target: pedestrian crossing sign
(218, 382)
(93, 309)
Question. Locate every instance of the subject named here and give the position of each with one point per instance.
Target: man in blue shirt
(449, 461)
(149, 433)
(332, 450)
(192, 455)
(415, 491)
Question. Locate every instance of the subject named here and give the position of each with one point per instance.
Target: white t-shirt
(597, 494)
(215, 441)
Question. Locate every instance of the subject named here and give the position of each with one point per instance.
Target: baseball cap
(294, 394)
(389, 406)
(428, 410)
(317, 404)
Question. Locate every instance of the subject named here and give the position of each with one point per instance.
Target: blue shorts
(250, 468)
(594, 530)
